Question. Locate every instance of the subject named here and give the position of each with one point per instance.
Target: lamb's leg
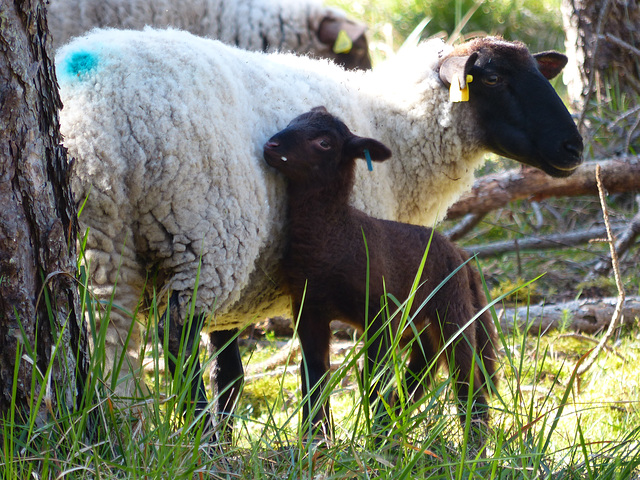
(315, 336)
(486, 335)
(378, 340)
(461, 359)
(189, 337)
(227, 377)
(417, 378)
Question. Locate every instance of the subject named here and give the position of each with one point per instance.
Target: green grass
(546, 423)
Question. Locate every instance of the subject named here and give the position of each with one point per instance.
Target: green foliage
(544, 423)
(516, 291)
(535, 22)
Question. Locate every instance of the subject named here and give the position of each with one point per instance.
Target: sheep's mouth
(558, 171)
(272, 158)
(563, 168)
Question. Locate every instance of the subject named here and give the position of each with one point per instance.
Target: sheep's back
(168, 129)
(283, 25)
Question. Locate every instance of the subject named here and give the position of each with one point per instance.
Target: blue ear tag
(367, 156)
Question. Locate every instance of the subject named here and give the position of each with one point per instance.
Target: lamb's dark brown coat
(326, 263)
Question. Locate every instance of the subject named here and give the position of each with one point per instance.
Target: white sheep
(301, 26)
(167, 131)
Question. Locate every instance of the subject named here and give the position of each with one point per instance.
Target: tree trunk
(601, 38)
(603, 46)
(38, 227)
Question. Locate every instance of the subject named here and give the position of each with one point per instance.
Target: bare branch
(620, 43)
(464, 226)
(626, 239)
(495, 191)
(615, 318)
(559, 240)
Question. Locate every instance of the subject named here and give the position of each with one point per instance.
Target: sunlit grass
(545, 424)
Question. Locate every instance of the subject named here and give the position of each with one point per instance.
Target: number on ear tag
(343, 43)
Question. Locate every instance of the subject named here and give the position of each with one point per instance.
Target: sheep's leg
(189, 338)
(315, 336)
(227, 376)
(109, 264)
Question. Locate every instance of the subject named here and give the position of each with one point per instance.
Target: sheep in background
(300, 26)
(330, 271)
(167, 130)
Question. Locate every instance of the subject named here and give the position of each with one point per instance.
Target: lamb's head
(318, 148)
(519, 113)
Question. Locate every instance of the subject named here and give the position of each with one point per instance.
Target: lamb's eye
(323, 143)
(491, 80)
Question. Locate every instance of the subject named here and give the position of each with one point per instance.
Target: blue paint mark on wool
(80, 63)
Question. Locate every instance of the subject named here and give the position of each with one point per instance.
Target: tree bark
(603, 73)
(603, 38)
(495, 191)
(38, 227)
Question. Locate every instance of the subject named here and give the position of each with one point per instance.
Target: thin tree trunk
(38, 226)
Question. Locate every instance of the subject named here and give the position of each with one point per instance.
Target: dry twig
(616, 273)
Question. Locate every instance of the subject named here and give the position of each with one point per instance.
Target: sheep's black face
(520, 113)
(317, 147)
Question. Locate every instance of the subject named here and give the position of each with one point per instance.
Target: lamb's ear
(457, 67)
(320, 108)
(357, 147)
(550, 63)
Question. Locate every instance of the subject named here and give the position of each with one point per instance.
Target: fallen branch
(287, 359)
(464, 226)
(495, 191)
(558, 240)
(626, 239)
(286, 355)
(586, 316)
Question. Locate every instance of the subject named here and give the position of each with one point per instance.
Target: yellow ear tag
(457, 94)
(343, 43)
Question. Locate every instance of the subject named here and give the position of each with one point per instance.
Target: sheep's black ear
(457, 67)
(320, 108)
(355, 148)
(340, 33)
(550, 63)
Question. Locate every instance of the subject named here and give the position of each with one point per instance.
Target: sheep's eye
(491, 80)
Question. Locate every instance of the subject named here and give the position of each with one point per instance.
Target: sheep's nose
(272, 144)
(574, 148)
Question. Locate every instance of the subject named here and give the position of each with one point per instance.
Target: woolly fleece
(285, 25)
(168, 129)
